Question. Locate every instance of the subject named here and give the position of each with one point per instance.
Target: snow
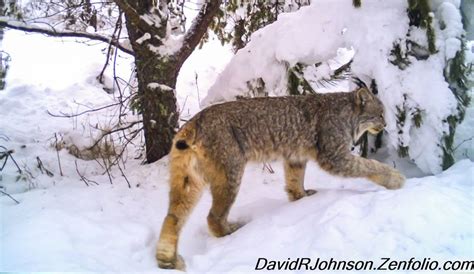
(159, 86)
(145, 37)
(171, 44)
(113, 228)
(152, 18)
(371, 31)
(62, 225)
(272, 49)
(450, 17)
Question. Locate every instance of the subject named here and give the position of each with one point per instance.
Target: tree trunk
(157, 73)
(158, 103)
(156, 84)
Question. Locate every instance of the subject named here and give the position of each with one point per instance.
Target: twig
(41, 167)
(467, 140)
(197, 88)
(106, 133)
(4, 137)
(57, 154)
(63, 115)
(116, 82)
(99, 163)
(7, 153)
(268, 167)
(107, 169)
(118, 25)
(184, 103)
(108, 174)
(126, 82)
(123, 175)
(84, 179)
(10, 196)
(124, 146)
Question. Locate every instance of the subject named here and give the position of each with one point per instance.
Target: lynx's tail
(185, 138)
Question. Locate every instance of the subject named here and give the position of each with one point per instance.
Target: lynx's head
(368, 113)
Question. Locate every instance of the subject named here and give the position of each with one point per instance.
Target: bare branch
(10, 196)
(108, 132)
(64, 115)
(198, 29)
(124, 146)
(7, 153)
(124, 176)
(115, 37)
(463, 141)
(83, 178)
(41, 167)
(51, 31)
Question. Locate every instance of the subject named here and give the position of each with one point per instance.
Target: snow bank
(315, 33)
(312, 34)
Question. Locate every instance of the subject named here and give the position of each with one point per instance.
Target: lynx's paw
(310, 192)
(176, 263)
(394, 180)
(296, 195)
(221, 229)
(390, 179)
(235, 226)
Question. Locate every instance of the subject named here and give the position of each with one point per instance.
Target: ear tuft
(363, 95)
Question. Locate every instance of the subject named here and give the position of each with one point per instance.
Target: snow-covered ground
(60, 224)
(70, 227)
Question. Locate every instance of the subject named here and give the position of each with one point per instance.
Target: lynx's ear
(362, 96)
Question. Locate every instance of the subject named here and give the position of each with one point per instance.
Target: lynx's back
(266, 128)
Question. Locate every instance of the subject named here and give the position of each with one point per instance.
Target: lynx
(215, 145)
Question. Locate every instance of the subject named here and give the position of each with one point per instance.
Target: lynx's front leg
(389, 177)
(294, 179)
(348, 165)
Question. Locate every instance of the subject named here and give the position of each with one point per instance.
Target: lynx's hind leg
(225, 184)
(294, 179)
(185, 191)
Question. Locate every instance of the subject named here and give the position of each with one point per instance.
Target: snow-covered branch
(6, 22)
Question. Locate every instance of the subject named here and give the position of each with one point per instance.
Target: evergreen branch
(6, 22)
